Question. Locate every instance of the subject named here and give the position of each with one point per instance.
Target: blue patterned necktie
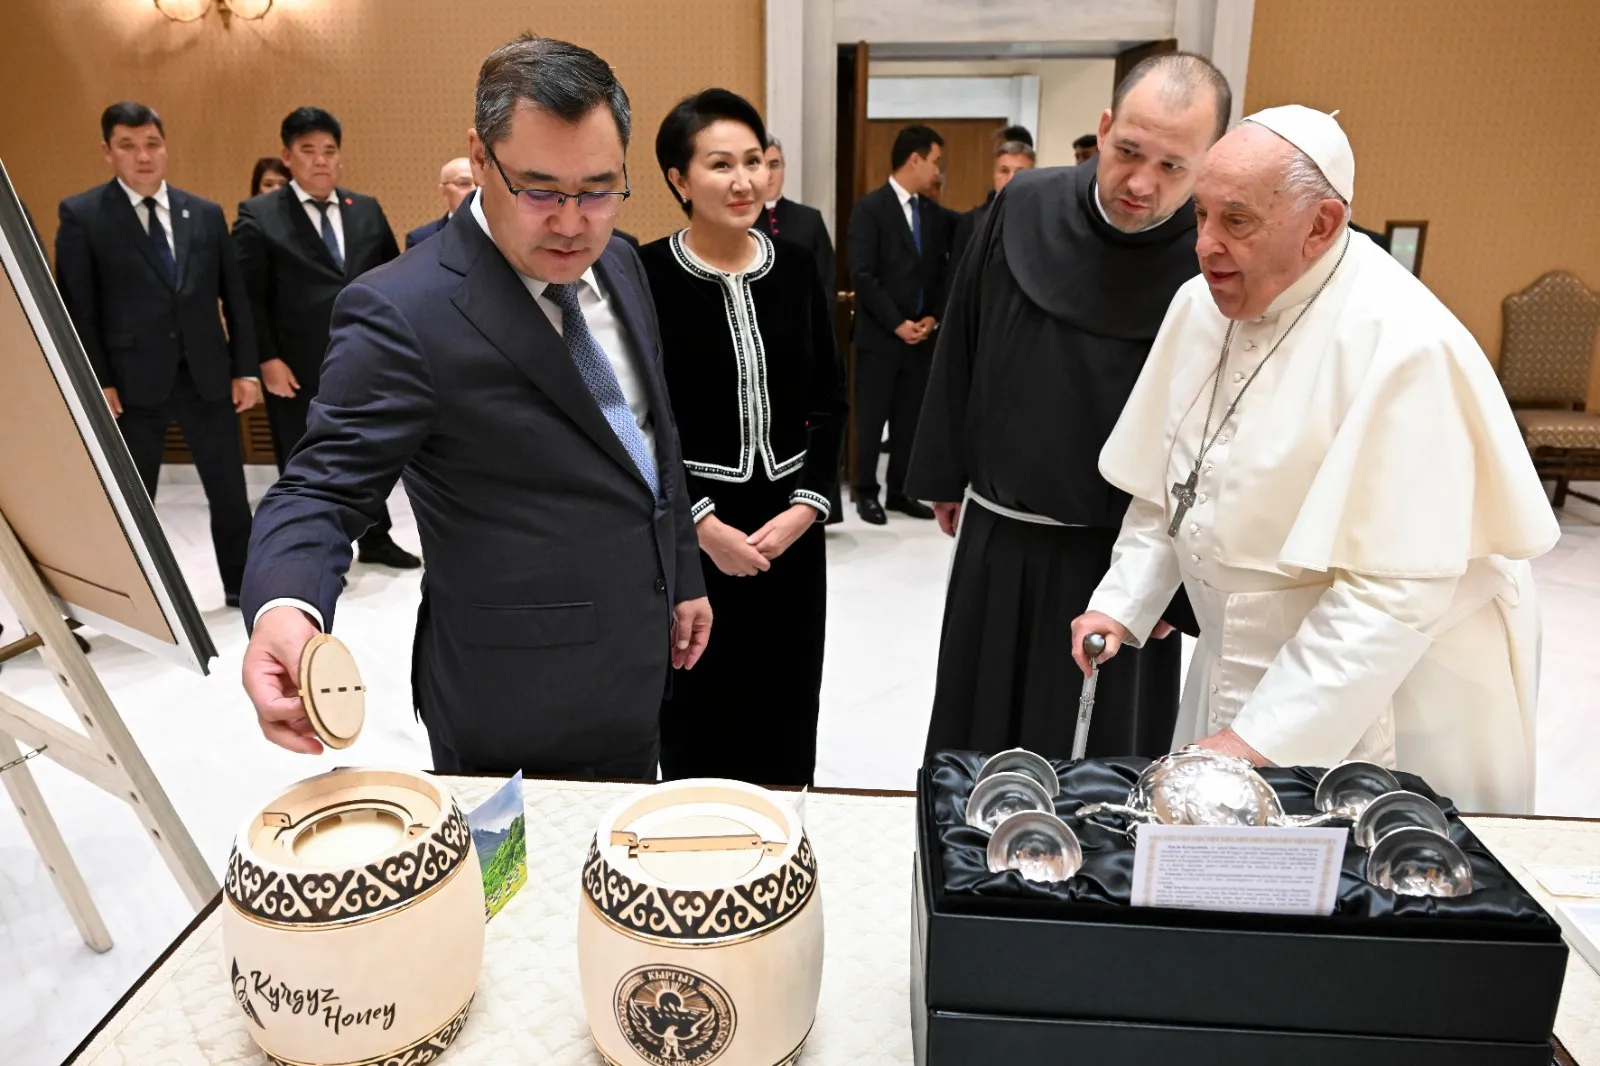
(602, 381)
(330, 238)
(158, 237)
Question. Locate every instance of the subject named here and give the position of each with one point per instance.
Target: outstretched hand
(271, 675)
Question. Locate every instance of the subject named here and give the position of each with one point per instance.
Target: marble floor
(886, 586)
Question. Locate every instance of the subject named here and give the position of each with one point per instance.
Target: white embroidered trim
(755, 407)
(812, 499)
(701, 508)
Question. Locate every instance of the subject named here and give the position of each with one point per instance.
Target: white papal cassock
(1356, 552)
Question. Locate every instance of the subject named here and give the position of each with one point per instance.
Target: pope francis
(1320, 453)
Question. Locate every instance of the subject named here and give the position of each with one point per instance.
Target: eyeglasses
(598, 204)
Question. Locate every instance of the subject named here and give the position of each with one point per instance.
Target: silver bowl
(1196, 786)
(1419, 862)
(1036, 844)
(1394, 811)
(1350, 786)
(1023, 761)
(1001, 795)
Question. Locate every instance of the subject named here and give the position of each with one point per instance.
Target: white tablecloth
(528, 1008)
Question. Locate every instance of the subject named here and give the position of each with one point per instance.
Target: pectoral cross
(1183, 492)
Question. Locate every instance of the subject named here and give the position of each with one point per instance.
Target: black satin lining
(1498, 907)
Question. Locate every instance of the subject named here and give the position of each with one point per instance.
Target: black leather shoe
(871, 511)
(230, 599)
(909, 507)
(382, 551)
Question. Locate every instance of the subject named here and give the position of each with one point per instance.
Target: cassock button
(1194, 558)
(1213, 690)
(1238, 377)
(1194, 527)
(1203, 497)
(1222, 439)
(1249, 346)
(1208, 468)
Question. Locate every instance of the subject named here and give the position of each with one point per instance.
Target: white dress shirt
(163, 211)
(603, 326)
(905, 202)
(607, 332)
(315, 215)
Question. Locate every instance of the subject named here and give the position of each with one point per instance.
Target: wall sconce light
(195, 10)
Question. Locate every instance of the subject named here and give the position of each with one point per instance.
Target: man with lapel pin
(141, 266)
(300, 246)
(509, 369)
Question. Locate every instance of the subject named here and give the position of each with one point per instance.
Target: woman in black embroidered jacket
(759, 397)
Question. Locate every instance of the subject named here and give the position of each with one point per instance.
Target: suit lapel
(498, 304)
(355, 230)
(182, 229)
(305, 234)
(127, 217)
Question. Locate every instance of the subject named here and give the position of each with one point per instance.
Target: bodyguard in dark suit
(795, 222)
(455, 185)
(899, 256)
(510, 370)
(300, 246)
(141, 266)
(789, 220)
(1009, 157)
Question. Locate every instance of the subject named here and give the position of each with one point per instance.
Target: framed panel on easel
(79, 540)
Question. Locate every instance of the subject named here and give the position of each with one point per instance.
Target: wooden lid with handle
(331, 691)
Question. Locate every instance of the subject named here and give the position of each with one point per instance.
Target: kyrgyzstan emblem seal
(674, 1017)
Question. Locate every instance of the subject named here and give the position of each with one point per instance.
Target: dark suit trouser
(211, 429)
(889, 388)
(286, 417)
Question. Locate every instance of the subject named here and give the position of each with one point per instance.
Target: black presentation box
(1015, 980)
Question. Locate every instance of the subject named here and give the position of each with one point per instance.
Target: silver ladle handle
(1094, 646)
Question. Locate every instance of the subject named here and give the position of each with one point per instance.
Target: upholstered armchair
(1546, 354)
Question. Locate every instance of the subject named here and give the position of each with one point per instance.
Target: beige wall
(398, 73)
(1481, 116)
(1072, 93)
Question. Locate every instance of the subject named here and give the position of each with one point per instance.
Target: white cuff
(289, 601)
(702, 507)
(812, 499)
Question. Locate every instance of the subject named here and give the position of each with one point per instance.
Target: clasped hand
(739, 555)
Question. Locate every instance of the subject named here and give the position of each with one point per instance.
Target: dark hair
(130, 114)
(304, 120)
(675, 139)
(1014, 133)
(267, 164)
(1088, 140)
(1183, 75)
(555, 76)
(913, 140)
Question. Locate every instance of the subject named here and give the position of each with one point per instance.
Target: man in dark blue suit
(509, 369)
(455, 185)
(142, 266)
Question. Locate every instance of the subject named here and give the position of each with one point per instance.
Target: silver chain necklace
(1184, 491)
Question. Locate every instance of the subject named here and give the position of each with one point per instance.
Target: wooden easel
(104, 754)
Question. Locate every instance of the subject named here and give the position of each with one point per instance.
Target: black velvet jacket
(753, 371)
